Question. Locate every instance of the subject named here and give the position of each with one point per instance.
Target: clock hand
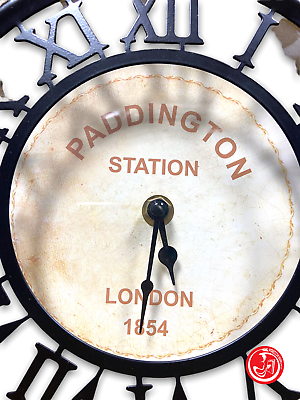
(147, 285)
(167, 255)
(157, 210)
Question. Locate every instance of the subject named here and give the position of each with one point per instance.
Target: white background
(226, 28)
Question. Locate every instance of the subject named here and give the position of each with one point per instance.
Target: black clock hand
(167, 255)
(157, 210)
(147, 285)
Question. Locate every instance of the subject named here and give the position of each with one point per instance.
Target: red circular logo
(264, 365)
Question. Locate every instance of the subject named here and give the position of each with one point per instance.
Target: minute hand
(147, 285)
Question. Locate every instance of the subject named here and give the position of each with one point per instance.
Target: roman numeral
(245, 59)
(297, 108)
(3, 138)
(171, 37)
(249, 382)
(140, 389)
(89, 391)
(285, 393)
(179, 392)
(43, 354)
(287, 8)
(72, 9)
(7, 329)
(16, 107)
(4, 299)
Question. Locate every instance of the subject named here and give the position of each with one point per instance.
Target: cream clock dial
(150, 206)
(149, 134)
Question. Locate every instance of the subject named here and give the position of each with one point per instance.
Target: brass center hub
(145, 209)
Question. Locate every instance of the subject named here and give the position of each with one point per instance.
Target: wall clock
(149, 198)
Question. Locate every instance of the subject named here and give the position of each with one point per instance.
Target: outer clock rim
(13, 272)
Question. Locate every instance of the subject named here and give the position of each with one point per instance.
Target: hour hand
(167, 255)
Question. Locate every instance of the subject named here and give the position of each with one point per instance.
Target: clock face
(80, 236)
(192, 131)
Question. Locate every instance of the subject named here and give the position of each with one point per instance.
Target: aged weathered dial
(197, 141)
(84, 179)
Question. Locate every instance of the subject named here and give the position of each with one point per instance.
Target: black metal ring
(14, 274)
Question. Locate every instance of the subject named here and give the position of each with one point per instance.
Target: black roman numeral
(297, 108)
(297, 309)
(285, 393)
(4, 299)
(72, 9)
(43, 354)
(179, 392)
(287, 8)
(16, 107)
(140, 389)
(171, 37)
(245, 59)
(7, 329)
(249, 382)
(89, 391)
(3, 138)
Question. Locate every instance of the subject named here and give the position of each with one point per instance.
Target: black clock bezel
(13, 272)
